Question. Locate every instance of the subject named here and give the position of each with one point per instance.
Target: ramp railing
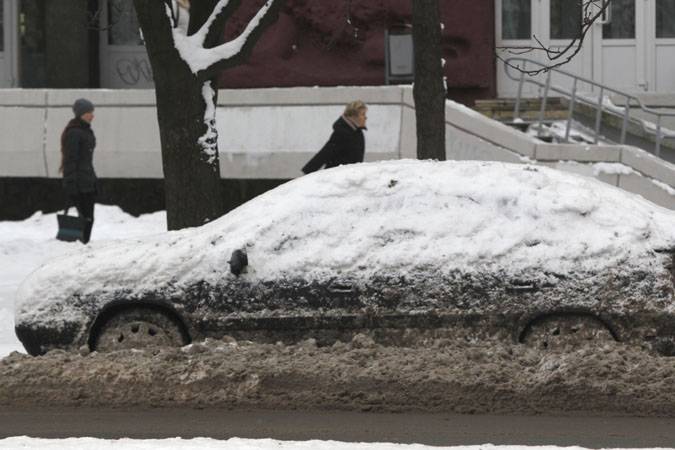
(623, 112)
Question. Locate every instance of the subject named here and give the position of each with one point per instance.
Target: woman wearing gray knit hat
(77, 152)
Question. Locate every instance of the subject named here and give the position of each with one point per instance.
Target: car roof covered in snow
(392, 217)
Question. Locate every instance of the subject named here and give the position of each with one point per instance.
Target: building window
(516, 18)
(665, 18)
(2, 27)
(124, 28)
(565, 19)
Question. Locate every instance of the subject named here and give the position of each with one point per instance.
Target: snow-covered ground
(237, 444)
(27, 244)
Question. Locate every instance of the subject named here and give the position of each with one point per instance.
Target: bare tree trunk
(191, 178)
(429, 91)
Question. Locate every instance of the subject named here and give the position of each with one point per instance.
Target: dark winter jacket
(78, 144)
(345, 146)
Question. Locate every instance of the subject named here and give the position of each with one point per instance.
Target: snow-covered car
(398, 249)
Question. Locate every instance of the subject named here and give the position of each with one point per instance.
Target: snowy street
(267, 430)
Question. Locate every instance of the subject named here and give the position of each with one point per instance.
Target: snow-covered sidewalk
(27, 244)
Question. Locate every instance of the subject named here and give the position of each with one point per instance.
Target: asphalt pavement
(429, 429)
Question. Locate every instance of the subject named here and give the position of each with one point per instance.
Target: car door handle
(521, 287)
(341, 288)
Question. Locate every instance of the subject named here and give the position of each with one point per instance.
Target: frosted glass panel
(665, 18)
(622, 20)
(124, 28)
(565, 19)
(516, 18)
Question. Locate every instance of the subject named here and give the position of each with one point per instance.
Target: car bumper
(38, 340)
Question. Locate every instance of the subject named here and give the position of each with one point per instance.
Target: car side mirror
(238, 261)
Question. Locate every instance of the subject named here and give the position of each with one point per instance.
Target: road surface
(429, 429)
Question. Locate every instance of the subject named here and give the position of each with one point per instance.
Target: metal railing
(574, 98)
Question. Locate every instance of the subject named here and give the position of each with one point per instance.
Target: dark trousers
(84, 203)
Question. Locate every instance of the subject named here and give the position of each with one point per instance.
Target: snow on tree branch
(168, 7)
(191, 48)
(205, 28)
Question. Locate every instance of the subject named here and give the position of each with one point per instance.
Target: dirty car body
(401, 250)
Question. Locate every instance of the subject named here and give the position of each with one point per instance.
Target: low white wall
(271, 133)
(268, 133)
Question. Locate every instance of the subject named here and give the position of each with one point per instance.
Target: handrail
(630, 99)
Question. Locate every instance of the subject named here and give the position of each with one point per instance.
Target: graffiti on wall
(133, 70)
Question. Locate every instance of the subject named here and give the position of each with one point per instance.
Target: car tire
(564, 330)
(139, 328)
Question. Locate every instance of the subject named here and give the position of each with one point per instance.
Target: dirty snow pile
(237, 444)
(26, 245)
(385, 218)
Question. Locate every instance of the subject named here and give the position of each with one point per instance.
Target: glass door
(620, 46)
(660, 70)
(124, 61)
(515, 21)
(8, 44)
(539, 25)
(3, 75)
(561, 24)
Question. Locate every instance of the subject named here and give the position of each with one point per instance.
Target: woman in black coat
(77, 154)
(347, 144)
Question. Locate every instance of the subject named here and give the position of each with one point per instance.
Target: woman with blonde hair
(347, 143)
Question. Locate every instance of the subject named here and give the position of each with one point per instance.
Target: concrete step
(502, 109)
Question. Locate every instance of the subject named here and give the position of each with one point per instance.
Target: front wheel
(140, 328)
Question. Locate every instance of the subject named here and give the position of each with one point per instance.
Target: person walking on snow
(347, 143)
(77, 153)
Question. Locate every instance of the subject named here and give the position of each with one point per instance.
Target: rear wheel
(556, 331)
(138, 328)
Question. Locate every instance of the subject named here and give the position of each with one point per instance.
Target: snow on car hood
(393, 217)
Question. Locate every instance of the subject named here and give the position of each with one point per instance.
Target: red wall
(312, 44)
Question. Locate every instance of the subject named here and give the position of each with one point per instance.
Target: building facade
(631, 48)
(96, 43)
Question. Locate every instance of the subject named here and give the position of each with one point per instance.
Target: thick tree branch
(233, 52)
(208, 18)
